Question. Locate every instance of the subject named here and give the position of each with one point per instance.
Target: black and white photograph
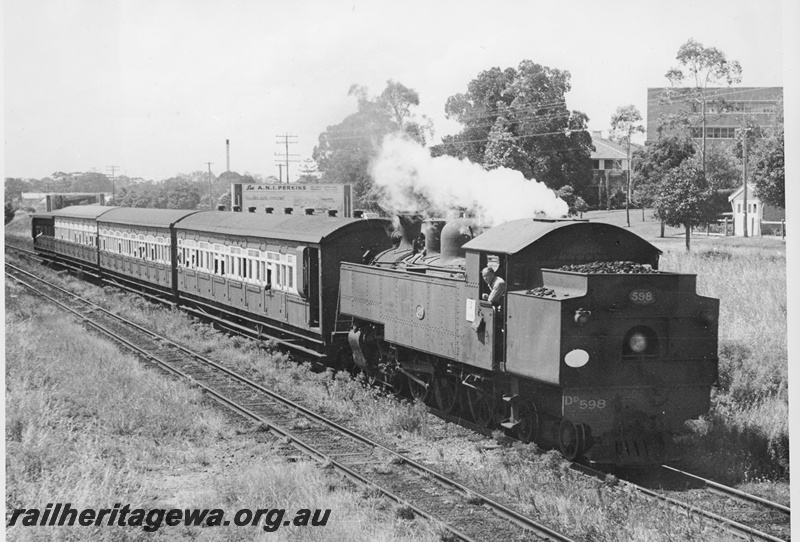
(400, 271)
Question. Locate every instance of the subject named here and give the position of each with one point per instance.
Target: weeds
(746, 434)
(90, 426)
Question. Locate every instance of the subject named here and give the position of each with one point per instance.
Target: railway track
(743, 515)
(464, 513)
(746, 516)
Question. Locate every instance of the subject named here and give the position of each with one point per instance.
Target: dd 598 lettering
(584, 404)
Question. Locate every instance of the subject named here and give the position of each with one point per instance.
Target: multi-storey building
(727, 109)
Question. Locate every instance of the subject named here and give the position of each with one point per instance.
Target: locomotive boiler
(591, 350)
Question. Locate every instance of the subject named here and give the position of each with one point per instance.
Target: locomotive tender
(603, 365)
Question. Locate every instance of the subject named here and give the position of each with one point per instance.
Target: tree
(14, 188)
(91, 182)
(769, 174)
(345, 150)
(684, 198)
(576, 203)
(702, 67)
(398, 99)
(309, 173)
(139, 195)
(722, 168)
(518, 118)
(624, 123)
(502, 150)
(655, 160)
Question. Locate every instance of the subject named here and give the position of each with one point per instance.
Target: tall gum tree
(699, 68)
(626, 122)
(344, 150)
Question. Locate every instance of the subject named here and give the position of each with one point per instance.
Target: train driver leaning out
(498, 286)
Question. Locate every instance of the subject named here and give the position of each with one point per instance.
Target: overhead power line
(113, 183)
(285, 156)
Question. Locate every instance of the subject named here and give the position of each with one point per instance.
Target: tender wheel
(418, 391)
(528, 428)
(482, 407)
(446, 391)
(571, 439)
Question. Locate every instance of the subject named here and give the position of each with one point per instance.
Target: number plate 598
(642, 296)
(583, 404)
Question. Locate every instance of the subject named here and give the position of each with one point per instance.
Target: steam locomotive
(591, 350)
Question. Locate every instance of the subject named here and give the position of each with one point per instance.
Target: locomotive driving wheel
(420, 386)
(482, 406)
(397, 382)
(528, 428)
(571, 439)
(446, 391)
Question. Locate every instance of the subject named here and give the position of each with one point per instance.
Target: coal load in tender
(541, 291)
(609, 268)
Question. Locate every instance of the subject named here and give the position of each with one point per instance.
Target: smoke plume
(413, 181)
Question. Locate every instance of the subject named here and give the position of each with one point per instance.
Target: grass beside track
(88, 425)
(745, 437)
(537, 483)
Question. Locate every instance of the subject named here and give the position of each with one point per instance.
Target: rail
(501, 511)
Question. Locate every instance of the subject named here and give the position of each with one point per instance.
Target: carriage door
(308, 281)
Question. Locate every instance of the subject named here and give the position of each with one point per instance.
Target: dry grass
(83, 422)
(746, 435)
(88, 425)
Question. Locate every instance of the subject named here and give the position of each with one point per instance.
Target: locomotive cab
(611, 354)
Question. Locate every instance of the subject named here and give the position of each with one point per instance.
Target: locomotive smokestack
(433, 235)
(228, 154)
(409, 227)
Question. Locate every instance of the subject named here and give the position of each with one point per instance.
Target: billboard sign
(320, 197)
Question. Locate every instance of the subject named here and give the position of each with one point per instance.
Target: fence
(774, 227)
(726, 227)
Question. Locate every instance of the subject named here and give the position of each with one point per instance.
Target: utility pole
(628, 194)
(745, 132)
(285, 155)
(210, 197)
(113, 187)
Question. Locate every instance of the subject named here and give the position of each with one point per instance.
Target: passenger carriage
(138, 247)
(69, 236)
(279, 274)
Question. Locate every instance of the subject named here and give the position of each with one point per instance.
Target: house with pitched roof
(609, 168)
(755, 211)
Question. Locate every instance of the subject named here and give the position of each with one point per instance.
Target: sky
(155, 87)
